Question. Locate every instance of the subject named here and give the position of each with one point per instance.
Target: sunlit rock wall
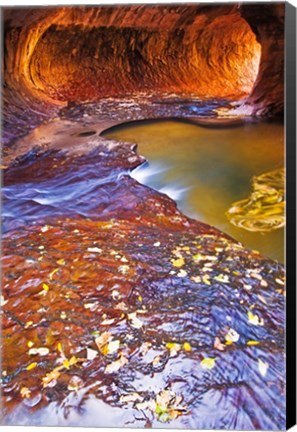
(58, 54)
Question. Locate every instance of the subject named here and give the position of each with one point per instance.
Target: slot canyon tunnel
(121, 310)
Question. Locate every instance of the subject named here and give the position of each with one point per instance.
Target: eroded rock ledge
(119, 310)
(56, 55)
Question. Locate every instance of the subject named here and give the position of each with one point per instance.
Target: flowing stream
(205, 170)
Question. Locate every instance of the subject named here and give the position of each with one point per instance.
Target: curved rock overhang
(55, 55)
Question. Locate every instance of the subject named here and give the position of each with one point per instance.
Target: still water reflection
(205, 170)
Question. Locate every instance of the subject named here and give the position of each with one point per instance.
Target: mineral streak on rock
(117, 309)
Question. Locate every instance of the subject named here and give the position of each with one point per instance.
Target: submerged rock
(131, 313)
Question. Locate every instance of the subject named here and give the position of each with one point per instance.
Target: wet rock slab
(121, 311)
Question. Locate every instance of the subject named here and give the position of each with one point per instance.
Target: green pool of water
(207, 169)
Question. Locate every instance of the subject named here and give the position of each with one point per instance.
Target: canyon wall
(54, 55)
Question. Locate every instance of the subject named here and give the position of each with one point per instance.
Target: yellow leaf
(51, 376)
(67, 363)
(208, 363)
(61, 261)
(102, 340)
(252, 342)
(52, 273)
(255, 320)
(187, 346)
(31, 366)
(174, 348)
(45, 287)
(124, 269)
(178, 262)
(232, 336)
(222, 278)
(25, 392)
(206, 280)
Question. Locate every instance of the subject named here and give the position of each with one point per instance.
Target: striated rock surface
(117, 310)
(267, 96)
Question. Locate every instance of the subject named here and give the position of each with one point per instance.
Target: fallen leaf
(67, 363)
(135, 322)
(94, 249)
(144, 348)
(156, 360)
(51, 376)
(263, 367)
(150, 404)
(232, 336)
(121, 306)
(252, 342)
(178, 262)
(124, 269)
(255, 320)
(3, 301)
(75, 383)
(113, 346)
(206, 280)
(91, 306)
(102, 341)
(222, 278)
(25, 392)
(196, 279)
(40, 351)
(116, 365)
(182, 273)
(107, 322)
(130, 397)
(174, 348)
(31, 366)
(91, 354)
(279, 281)
(208, 363)
(52, 273)
(218, 344)
(44, 228)
(187, 346)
